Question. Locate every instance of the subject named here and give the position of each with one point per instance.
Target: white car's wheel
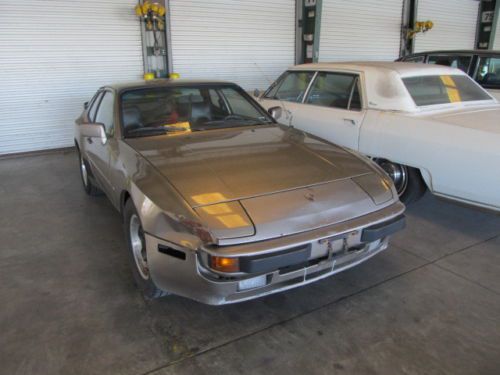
(407, 180)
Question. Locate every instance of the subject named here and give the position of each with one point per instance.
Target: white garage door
(248, 42)
(455, 24)
(360, 30)
(54, 55)
(496, 37)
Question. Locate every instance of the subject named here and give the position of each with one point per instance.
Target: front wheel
(407, 180)
(136, 243)
(88, 185)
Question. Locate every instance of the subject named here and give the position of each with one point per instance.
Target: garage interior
(430, 304)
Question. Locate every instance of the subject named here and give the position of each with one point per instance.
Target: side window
(355, 101)
(488, 72)
(460, 62)
(93, 106)
(238, 104)
(415, 59)
(334, 90)
(217, 103)
(105, 112)
(291, 87)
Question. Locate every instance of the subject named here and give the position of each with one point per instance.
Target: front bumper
(331, 250)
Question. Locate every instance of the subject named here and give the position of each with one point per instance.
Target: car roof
(382, 67)
(458, 52)
(163, 82)
(384, 88)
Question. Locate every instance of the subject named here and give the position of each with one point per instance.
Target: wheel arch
(124, 197)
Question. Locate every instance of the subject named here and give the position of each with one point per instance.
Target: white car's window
(442, 89)
(459, 62)
(105, 112)
(337, 90)
(488, 73)
(415, 59)
(290, 87)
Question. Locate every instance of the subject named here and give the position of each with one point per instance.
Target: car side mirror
(94, 131)
(256, 93)
(275, 112)
(85, 105)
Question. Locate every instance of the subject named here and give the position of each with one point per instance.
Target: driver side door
(287, 92)
(332, 109)
(98, 151)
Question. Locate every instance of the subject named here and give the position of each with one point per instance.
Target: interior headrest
(131, 116)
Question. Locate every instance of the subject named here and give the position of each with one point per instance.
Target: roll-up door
(360, 30)
(496, 36)
(54, 56)
(248, 42)
(455, 23)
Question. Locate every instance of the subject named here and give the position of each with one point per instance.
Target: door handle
(350, 121)
(89, 140)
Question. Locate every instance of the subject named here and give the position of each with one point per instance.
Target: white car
(427, 126)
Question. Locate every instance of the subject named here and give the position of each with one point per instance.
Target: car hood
(224, 165)
(265, 181)
(483, 119)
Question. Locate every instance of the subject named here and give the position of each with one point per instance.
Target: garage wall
(496, 20)
(233, 39)
(54, 56)
(360, 30)
(455, 23)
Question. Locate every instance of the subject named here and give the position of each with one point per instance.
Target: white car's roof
(384, 89)
(404, 69)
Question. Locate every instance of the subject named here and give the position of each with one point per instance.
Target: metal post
(495, 27)
(317, 30)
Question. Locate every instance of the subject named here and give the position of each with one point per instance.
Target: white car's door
(287, 92)
(332, 109)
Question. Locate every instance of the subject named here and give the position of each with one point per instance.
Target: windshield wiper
(231, 123)
(146, 131)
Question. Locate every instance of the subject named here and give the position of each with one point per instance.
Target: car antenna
(287, 112)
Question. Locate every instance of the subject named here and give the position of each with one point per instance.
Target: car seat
(132, 118)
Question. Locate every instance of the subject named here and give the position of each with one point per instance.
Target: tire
(136, 244)
(85, 174)
(408, 181)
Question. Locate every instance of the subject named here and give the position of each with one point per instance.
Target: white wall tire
(408, 181)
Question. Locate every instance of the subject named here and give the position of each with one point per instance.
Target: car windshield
(443, 89)
(160, 110)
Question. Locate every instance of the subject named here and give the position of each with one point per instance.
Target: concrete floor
(428, 305)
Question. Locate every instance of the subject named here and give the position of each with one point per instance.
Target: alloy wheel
(138, 246)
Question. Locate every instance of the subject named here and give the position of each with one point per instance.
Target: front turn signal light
(223, 264)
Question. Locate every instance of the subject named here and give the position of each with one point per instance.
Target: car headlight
(226, 220)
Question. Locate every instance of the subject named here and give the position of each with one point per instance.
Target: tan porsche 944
(220, 203)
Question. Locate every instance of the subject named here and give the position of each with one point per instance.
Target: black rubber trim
(274, 261)
(172, 252)
(381, 230)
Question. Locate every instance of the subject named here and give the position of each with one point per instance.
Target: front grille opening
(295, 267)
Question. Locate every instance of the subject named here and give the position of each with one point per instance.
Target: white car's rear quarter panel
(454, 160)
